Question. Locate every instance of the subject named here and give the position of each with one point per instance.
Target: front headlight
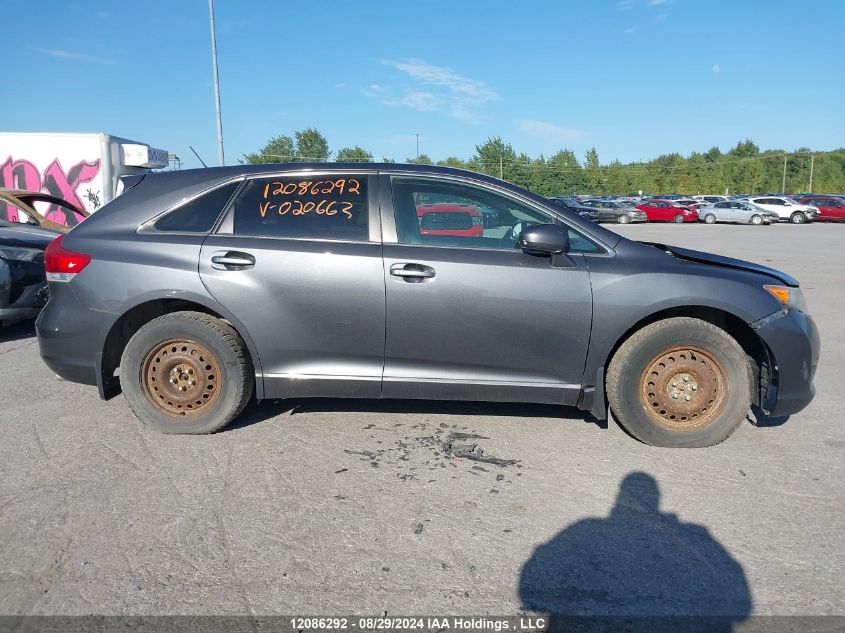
(792, 298)
(20, 253)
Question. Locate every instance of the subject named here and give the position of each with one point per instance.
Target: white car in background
(787, 210)
(710, 200)
(737, 211)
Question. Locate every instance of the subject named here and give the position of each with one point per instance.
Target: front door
(469, 316)
(298, 260)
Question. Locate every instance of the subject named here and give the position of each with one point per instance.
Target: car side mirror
(544, 239)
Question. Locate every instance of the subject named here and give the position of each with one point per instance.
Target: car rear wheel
(756, 219)
(798, 218)
(186, 372)
(623, 219)
(681, 382)
(679, 219)
(709, 218)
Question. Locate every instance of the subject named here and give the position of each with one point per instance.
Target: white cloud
(431, 88)
(625, 5)
(549, 131)
(631, 29)
(654, 3)
(62, 54)
(716, 69)
(424, 101)
(660, 17)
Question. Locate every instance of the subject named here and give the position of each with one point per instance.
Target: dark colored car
(668, 211)
(23, 286)
(613, 211)
(571, 204)
(831, 208)
(195, 291)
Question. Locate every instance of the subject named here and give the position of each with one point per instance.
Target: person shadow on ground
(638, 569)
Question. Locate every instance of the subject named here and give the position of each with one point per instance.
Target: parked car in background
(691, 203)
(615, 211)
(738, 212)
(457, 220)
(571, 204)
(660, 210)
(710, 199)
(348, 297)
(787, 210)
(831, 208)
(39, 209)
(23, 284)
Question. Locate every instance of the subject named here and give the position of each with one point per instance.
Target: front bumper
(793, 341)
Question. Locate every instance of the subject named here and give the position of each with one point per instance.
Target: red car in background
(668, 211)
(831, 208)
(457, 220)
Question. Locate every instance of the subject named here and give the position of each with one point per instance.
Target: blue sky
(634, 78)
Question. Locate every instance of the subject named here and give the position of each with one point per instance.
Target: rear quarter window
(199, 214)
(329, 207)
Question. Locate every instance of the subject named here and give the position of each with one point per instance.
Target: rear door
(474, 317)
(298, 260)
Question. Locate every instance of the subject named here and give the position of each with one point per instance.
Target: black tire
(756, 219)
(798, 218)
(623, 219)
(710, 218)
(641, 391)
(212, 397)
(679, 219)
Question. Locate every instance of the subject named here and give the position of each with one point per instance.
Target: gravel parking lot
(319, 506)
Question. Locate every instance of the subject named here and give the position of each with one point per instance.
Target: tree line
(743, 169)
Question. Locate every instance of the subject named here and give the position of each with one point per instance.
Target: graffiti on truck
(23, 174)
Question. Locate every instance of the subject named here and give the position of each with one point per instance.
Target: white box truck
(83, 169)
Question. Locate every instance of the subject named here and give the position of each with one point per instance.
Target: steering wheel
(511, 236)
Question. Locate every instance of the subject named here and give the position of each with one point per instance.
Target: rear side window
(198, 215)
(320, 207)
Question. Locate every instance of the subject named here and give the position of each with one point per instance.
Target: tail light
(62, 264)
(478, 220)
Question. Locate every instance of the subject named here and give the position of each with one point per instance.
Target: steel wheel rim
(684, 389)
(181, 378)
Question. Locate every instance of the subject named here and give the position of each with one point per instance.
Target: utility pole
(501, 172)
(812, 160)
(783, 182)
(220, 156)
(418, 145)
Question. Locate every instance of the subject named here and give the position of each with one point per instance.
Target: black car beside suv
(195, 291)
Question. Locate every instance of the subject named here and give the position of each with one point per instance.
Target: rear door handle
(232, 260)
(413, 273)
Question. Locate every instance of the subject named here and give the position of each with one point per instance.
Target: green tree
(423, 159)
(593, 171)
(311, 146)
(496, 158)
(278, 149)
(354, 155)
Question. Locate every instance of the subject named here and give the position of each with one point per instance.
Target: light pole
(418, 145)
(220, 156)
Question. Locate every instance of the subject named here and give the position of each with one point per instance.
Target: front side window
(328, 207)
(722, 205)
(436, 212)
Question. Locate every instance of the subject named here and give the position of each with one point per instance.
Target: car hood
(27, 236)
(725, 262)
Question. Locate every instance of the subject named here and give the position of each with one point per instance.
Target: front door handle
(232, 260)
(413, 273)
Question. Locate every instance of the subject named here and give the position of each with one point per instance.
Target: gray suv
(196, 291)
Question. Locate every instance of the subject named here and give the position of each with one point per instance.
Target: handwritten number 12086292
(296, 207)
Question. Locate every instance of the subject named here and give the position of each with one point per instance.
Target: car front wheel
(756, 219)
(798, 218)
(709, 218)
(623, 219)
(186, 372)
(681, 382)
(679, 219)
